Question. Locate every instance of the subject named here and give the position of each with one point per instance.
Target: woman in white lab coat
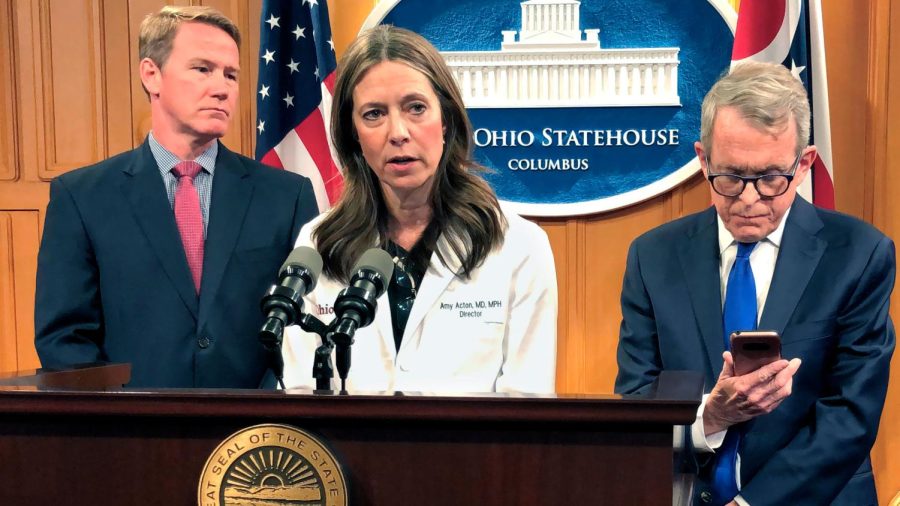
(472, 303)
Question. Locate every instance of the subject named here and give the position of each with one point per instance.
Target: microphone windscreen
(379, 261)
(304, 256)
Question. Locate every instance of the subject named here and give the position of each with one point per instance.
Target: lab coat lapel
(383, 323)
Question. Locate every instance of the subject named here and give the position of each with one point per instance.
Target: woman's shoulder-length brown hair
(466, 211)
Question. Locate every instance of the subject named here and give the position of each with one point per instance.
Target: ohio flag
(293, 95)
(790, 32)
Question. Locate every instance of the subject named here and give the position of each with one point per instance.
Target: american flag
(293, 95)
(790, 32)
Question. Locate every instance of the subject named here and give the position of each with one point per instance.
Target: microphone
(283, 302)
(354, 307)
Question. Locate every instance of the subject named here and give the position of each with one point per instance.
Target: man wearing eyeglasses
(798, 430)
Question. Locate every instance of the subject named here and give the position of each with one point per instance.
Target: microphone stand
(323, 370)
(336, 335)
(354, 308)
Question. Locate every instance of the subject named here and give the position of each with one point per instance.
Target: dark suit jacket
(829, 301)
(113, 283)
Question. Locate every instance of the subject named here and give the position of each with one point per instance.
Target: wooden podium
(107, 445)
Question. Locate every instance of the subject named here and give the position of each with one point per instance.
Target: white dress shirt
(762, 262)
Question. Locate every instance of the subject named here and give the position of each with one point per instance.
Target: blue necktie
(739, 314)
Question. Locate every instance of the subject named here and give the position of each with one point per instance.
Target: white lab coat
(495, 332)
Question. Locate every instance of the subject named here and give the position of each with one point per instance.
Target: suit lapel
(699, 257)
(434, 284)
(145, 189)
(231, 194)
(798, 256)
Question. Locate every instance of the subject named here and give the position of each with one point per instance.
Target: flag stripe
(823, 173)
(325, 108)
(329, 82)
(758, 25)
(294, 153)
(783, 29)
(823, 185)
(271, 159)
(310, 134)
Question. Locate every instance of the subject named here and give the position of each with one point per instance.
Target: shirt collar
(726, 239)
(165, 159)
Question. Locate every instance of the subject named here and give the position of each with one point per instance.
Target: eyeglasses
(767, 185)
(405, 281)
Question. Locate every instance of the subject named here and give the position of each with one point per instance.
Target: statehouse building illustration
(552, 62)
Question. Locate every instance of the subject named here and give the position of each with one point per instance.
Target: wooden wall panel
(884, 145)
(569, 255)
(846, 26)
(557, 233)
(72, 83)
(250, 71)
(864, 72)
(116, 58)
(8, 159)
(18, 264)
(29, 105)
(22, 205)
(606, 240)
(25, 226)
(8, 357)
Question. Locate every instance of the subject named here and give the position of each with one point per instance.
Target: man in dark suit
(160, 256)
(785, 433)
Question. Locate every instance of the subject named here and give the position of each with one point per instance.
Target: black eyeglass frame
(755, 179)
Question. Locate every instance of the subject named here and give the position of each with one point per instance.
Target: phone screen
(754, 349)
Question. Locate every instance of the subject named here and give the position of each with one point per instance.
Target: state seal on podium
(272, 464)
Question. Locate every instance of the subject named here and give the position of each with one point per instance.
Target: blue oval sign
(578, 107)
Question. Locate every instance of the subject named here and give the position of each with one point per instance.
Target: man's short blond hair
(765, 94)
(158, 29)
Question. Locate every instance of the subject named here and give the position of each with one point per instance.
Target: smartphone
(752, 349)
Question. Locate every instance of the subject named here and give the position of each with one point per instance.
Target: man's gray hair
(765, 94)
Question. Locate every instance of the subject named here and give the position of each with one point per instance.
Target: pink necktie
(188, 217)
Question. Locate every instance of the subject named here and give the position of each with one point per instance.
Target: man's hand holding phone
(766, 381)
